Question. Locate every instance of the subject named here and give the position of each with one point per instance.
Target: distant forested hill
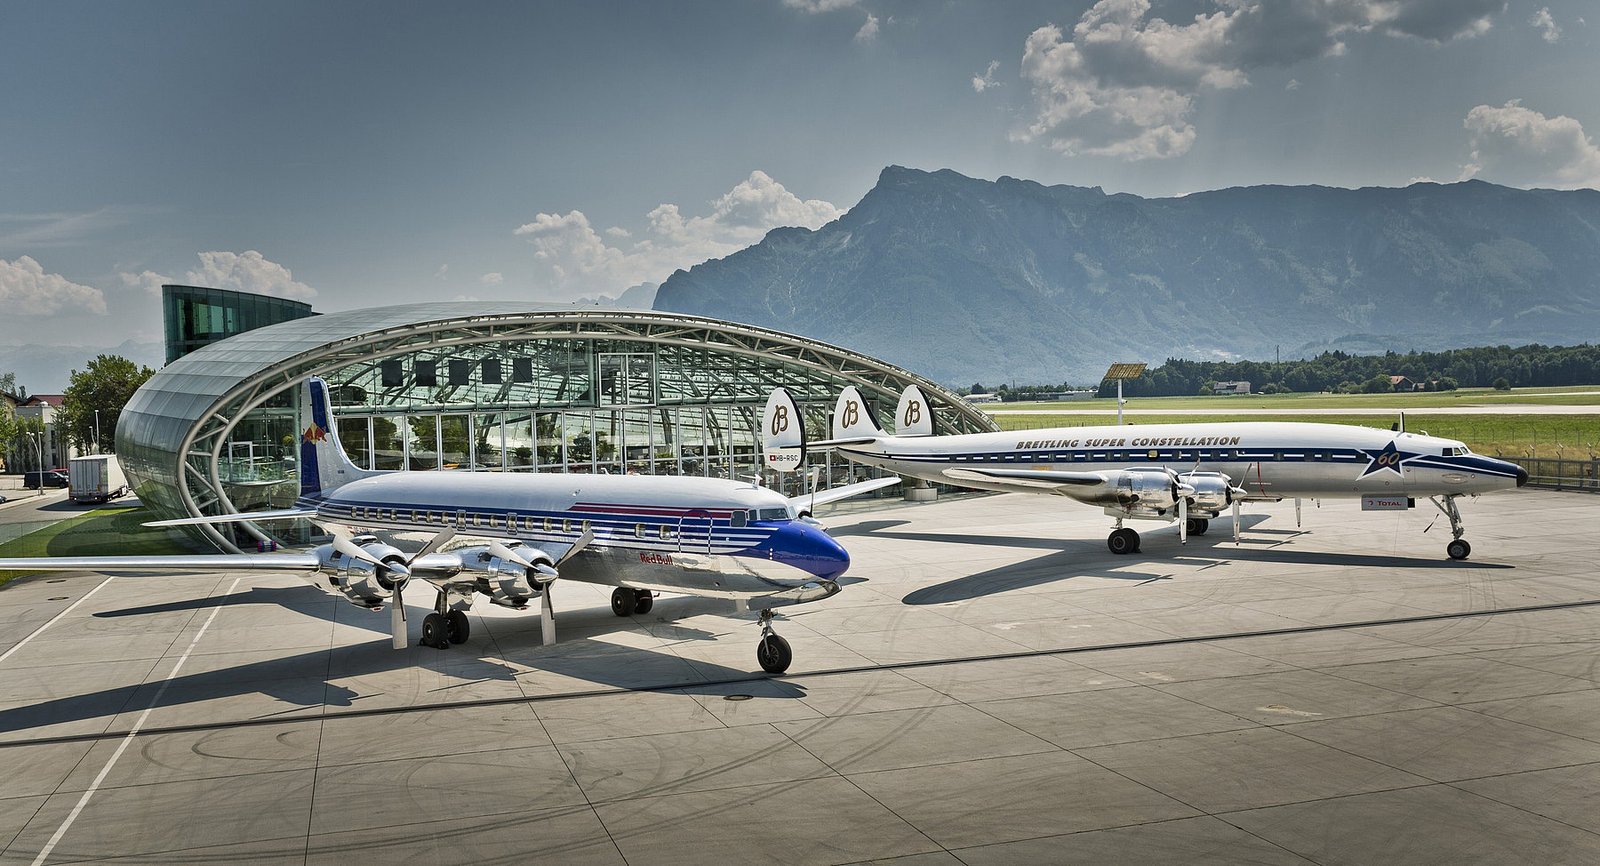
(962, 279)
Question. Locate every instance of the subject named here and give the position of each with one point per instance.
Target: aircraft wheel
(1458, 549)
(434, 631)
(1198, 525)
(624, 601)
(457, 627)
(1123, 541)
(643, 601)
(774, 654)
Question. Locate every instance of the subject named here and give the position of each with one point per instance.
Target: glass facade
(470, 386)
(196, 316)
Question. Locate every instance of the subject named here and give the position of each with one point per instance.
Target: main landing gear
(1459, 548)
(772, 652)
(1198, 525)
(445, 626)
(1122, 540)
(627, 602)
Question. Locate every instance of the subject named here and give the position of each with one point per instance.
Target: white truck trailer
(97, 478)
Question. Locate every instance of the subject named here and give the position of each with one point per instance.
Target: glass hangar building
(488, 387)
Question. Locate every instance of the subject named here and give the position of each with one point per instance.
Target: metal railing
(1559, 474)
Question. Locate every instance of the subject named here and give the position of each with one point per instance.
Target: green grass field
(103, 532)
(1574, 437)
(1572, 395)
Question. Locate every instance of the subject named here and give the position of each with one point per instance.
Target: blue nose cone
(810, 549)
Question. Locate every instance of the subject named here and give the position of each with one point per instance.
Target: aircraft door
(696, 521)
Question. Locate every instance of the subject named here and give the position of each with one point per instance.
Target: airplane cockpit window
(773, 514)
(739, 518)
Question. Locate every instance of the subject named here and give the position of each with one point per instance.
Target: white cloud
(868, 33)
(986, 81)
(149, 281)
(442, 272)
(815, 7)
(1294, 84)
(248, 271)
(492, 279)
(1123, 83)
(26, 290)
(1517, 145)
(581, 262)
(1548, 29)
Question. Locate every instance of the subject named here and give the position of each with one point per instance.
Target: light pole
(38, 446)
(97, 431)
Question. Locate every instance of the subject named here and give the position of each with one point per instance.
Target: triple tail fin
(783, 433)
(852, 417)
(324, 467)
(914, 416)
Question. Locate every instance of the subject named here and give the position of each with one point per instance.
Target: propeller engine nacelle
(1146, 492)
(365, 584)
(1213, 493)
(508, 583)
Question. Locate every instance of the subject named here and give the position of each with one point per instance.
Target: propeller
(1180, 494)
(397, 573)
(547, 577)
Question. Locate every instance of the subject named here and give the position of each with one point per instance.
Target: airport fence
(1559, 474)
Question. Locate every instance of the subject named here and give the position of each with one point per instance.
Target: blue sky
(354, 154)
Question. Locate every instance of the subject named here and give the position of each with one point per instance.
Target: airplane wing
(240, 517)
(215, 562)
(1073, 484)
(834, 494)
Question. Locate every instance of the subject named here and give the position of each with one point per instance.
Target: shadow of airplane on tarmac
(317, 677)
(1065, 565)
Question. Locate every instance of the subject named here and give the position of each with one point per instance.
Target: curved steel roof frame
(283, 355)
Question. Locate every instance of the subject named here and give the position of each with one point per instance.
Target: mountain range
(964, 280)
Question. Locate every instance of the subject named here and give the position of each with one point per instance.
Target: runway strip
(755, 678)
(72, 816)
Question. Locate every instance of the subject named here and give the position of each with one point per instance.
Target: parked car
(37, 478)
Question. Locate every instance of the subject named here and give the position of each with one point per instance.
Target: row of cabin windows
(492, 521)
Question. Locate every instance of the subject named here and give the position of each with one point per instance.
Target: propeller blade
(499, 549)
(343, 544)
(1183, 521)
(547, 573)
(1297, 512)
(397, 617)
(434, 544)
(1235, 521)
(581, 543)
(547, 618)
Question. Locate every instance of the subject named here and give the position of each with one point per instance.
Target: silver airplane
(509, 537)
(1188, 473)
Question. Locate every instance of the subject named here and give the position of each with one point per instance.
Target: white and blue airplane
(1189, 473)
(511, 536)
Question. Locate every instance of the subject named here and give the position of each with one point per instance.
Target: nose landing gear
(772, 652)
(1459, 548)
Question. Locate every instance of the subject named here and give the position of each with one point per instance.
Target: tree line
(1533, 365)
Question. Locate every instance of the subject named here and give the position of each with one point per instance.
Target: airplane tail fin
(783, 433)
(914, 416)
(852, 417)
(324, 467)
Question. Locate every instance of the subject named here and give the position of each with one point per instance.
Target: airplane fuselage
(690, 535)
(1267, 459)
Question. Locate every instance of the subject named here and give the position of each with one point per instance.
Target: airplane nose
(1522, 476)
(810, 549)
